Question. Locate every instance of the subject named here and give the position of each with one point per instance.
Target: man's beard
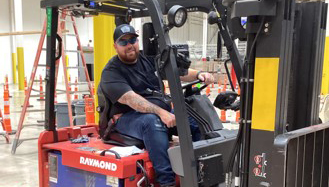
(130, 56)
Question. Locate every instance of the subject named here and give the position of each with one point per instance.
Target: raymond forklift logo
(98, 164)
(261, 163)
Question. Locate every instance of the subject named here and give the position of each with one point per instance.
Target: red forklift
(281, 141)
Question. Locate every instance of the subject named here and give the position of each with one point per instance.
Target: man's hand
(207, 78)
(168, 118)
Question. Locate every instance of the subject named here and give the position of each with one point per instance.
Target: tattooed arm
(140, 104)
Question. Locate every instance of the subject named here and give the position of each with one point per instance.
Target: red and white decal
(261, 163)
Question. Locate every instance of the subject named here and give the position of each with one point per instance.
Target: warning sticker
(53, 168)
(261, 163)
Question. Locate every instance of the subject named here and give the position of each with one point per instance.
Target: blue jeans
(150, 129)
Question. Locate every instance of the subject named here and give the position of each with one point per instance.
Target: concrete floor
(21, 169)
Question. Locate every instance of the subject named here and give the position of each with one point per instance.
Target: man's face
(127, 48)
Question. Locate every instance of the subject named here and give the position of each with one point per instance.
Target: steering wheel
(189, 91)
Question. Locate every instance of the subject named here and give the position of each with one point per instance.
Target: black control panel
(183, 49)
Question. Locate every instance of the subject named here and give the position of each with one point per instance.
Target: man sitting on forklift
(124, 82)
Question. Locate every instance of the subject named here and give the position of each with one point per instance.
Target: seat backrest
(103, 110)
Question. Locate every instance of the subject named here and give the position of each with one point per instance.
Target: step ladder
(62, 24)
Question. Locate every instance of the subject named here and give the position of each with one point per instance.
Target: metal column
(52, 24)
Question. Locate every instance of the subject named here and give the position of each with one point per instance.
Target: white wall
(5, 51)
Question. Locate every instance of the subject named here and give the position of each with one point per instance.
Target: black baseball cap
(123, 30)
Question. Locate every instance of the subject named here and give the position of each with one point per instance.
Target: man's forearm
(191, 76)
(139, 103)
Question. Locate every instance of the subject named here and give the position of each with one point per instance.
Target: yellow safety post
(21, 74)
(14, 68)
(104, 26)
(325, 74)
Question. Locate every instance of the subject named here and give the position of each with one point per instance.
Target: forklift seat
(107, 133)
(116, 138)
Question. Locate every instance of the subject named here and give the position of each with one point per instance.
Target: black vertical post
(52, 23)
(188, 157)
(246, 105)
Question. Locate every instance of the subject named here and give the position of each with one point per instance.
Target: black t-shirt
(119, 78)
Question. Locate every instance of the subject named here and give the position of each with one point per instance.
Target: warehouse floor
(21, 169)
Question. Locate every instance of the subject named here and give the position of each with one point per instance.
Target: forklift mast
(283, 141)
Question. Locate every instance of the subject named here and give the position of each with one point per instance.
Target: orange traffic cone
(224, 88)
(76, 88)
(237, 116)
(6, 114)
(208, 90)
(223, 115)
(6, 86)
(6, 83)
(213, 85)
(219, 90)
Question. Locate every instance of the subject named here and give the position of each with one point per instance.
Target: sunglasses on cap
(122, 42)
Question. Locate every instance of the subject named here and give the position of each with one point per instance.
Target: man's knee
(153, 122)
(151, 117)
